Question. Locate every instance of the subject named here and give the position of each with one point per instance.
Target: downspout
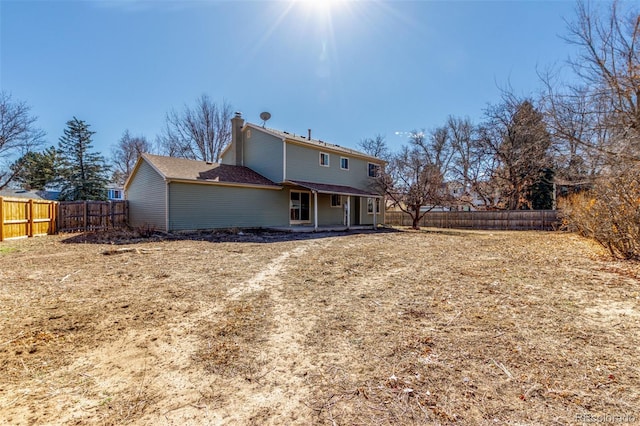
(284, 160)
(166, 207)
(315, 210)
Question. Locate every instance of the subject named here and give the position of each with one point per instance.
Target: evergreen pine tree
(542, 191)
(36, 170)
(83, 174)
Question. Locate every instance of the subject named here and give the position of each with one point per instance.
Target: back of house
(266, 179)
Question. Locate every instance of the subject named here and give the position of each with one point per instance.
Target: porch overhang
(323, 188)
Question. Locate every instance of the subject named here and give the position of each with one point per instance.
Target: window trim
(376, 205)
(300, 221)
(341, 159)
(331, 201)
(328, 159)
(376, 167)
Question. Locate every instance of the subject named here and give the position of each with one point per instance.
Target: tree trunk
(416, 218)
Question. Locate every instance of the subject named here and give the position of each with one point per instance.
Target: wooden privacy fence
(490, 219)
(74, 216)
(22, 217)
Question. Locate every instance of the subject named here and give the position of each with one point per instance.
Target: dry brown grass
(435, 327)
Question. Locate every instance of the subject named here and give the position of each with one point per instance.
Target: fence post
(85, 216)
(30, 218)
(58, 216)
(1, 219)
(52, 218)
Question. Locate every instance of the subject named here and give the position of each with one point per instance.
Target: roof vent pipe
(309, 134)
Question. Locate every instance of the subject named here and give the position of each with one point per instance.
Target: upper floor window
(374, 170)
(344, 163)
(324, 159)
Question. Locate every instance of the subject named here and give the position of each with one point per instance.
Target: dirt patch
(374, 328)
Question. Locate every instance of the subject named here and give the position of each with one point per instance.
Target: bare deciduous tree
(578, 138)
(376, 146)
(601, 115)
(199, 133)
(18, 135)
(126, 153)
(609, 63)
(471, 167)
(415, 177)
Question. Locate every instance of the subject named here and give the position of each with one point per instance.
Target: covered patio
(340, 196)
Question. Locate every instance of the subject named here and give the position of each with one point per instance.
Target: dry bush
(609, 213)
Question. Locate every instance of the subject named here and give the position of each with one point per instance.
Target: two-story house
(266, 179)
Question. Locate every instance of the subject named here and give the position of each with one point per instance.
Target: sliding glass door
(299, 206)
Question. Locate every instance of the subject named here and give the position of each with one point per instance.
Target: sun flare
(323, 6)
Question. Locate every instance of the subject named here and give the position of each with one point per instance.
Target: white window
(374, 170)
(336, 200)
(324, 159)
(373, 202)
(344, 163)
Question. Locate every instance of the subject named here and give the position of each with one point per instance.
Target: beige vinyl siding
(229, 155)
(304, 164)
(197, 206)
(365, 217)
(263, 153)
(328, 215)
(146, 194)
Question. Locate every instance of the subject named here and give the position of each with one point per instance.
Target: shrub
(609, 213)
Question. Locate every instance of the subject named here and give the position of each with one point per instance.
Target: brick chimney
(236, 137)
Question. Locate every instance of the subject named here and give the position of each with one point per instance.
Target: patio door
(299, 207)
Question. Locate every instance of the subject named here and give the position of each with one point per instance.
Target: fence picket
(489, 219)
(76, 216)
(22, 217)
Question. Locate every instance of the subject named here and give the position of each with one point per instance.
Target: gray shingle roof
(333, 189)
(19, 193)
(33, 194)
(201, 171)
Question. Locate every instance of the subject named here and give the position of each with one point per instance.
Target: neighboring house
(115, 192)
(34, 194)
(266, 179)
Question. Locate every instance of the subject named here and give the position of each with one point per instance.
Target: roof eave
(222, 183)
(322, 191)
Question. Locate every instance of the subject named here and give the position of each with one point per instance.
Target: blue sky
(346, 69)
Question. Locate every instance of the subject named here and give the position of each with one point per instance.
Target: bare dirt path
(282, 389)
